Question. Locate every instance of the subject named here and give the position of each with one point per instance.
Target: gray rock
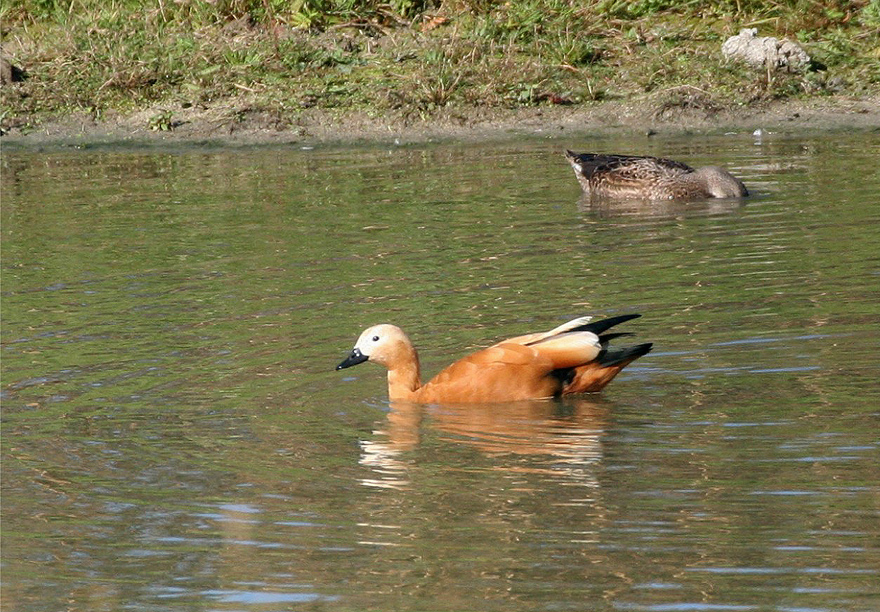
(765, 51)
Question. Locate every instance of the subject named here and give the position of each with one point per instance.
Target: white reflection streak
(383, 459)
(401, 434)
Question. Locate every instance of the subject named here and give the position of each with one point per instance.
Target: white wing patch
(570, 349)
(570, 325)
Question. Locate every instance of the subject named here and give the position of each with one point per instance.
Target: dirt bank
(238, 125)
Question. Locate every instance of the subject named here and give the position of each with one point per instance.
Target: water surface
(175, 437)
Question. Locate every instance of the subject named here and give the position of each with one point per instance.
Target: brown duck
(571, 358)
(651, 178)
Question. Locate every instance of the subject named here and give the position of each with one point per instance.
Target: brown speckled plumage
(651, 178)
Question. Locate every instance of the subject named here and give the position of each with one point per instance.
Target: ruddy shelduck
(651, 178)
(571, 358)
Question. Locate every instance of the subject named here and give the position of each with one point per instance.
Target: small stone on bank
(765, 51)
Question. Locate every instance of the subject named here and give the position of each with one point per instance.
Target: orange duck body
(572, 358)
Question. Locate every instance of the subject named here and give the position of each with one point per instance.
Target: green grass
(417, 56)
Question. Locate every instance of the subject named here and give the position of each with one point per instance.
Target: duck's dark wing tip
(598, 327)
(612, 357)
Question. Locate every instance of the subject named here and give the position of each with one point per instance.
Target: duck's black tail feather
(600, 326)
(612, 357)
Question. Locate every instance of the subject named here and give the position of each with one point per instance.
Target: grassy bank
(279, 57)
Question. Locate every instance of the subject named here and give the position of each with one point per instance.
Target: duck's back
(527, 367)
(631, 176)
(633, 167)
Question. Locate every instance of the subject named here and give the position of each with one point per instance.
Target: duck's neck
(404, 379)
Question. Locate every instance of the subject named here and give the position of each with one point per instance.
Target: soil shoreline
(229, 126)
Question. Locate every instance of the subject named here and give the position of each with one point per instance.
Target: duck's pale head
(384, 344)
(720, 183)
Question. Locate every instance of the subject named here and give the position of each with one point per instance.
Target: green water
(174, 435)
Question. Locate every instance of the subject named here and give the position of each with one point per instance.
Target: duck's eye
(375, 338)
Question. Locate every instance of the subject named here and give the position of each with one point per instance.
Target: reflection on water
(566, 431)
(604, 208)
(175, 436)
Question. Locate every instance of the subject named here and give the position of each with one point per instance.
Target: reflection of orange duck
(568, 429)
(572, 358)
(651, 178)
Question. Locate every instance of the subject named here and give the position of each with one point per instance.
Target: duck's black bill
(355, 358)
